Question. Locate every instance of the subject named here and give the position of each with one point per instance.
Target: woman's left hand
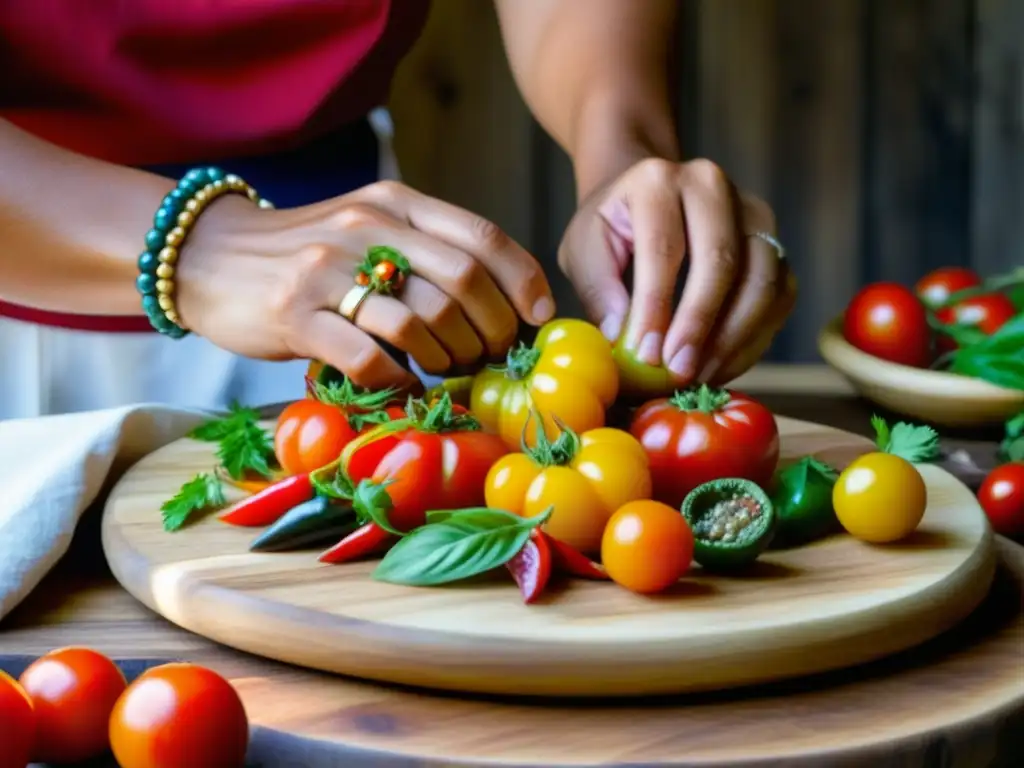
(739, 289)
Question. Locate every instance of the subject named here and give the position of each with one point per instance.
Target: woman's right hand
(268, 283)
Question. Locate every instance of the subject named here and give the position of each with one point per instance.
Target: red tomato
(703, 434)
(17, 724)
(1002, 497)
(936, 287)
(987, 313)
(431, 468)
(73, 691)
(311, 434)
(179, 716)
(889, 321)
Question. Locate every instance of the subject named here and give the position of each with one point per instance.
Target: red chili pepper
(265, 507)
(570, 560)
(531, 567)
(363, 541)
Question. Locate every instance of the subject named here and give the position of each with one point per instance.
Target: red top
(143, 82)
(147, 82)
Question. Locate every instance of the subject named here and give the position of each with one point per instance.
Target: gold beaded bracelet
(172, 224)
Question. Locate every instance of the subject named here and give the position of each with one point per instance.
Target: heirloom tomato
(647, 546)
(583, 478)
(1002, 497)
(311, 433)
(73, 691)
(438, 458)
(179, 716)
(569, 374)
(937, 286)
(702, 434)
(17, 724)
(640, 379)
(987, 313)
(889, 321)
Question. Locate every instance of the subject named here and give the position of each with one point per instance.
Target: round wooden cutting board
(833, 604)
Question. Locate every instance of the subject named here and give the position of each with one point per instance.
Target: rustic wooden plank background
(887, 134)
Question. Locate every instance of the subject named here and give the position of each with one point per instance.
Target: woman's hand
(268, 283)
(738, 291)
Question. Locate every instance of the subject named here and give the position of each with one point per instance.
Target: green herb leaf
(1016, 295)
(1012, 446)
(201, 493)
(359, 421)
(916, 444)
(881, 431)
(245, 447)
(372, 504)
(998, 358)
(462, 544)
(345, 394)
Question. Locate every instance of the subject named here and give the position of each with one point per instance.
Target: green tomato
(802, 498)
(637, 378)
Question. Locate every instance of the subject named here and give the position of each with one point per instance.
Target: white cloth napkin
(53, 467)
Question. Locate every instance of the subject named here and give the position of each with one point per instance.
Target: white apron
(45, 370)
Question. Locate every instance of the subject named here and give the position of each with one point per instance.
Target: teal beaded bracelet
(171, 225)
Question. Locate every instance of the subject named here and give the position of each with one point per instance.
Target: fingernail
(710, 369)
(543, 309)
(683, 362)
(650, 348)
(611, 327)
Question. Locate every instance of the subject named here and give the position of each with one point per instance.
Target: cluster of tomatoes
(891, 321)
(533, 439)
(74, 704)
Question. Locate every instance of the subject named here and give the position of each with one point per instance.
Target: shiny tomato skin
(17, 723)
(937, 286)
(1002, 497)
(890, 322)
(309, 435)
(987, 313)
(179, 716)
(639, 379)
(647, 546)
(689, 448)
(428, 470)
(880, 498)
(73, 691)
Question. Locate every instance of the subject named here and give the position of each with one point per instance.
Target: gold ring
(772, 241)
(353, 300)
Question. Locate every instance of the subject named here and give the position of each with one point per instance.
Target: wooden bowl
(937, 397)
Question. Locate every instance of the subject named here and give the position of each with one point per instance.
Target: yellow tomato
(880, 498)
(639, 379)
(606, 469)
(568, 374)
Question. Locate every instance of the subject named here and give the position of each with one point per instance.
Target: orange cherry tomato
(179, 716)
(362, 279)
(73, 691)
(17, 723)
(309, 435)
(647, 546)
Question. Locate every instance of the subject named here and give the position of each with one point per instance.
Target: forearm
(595, 75)
(71, 228)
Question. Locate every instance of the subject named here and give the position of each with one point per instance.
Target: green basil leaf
(964, 334)
(1008, 339)
(1016, 295)
(372, 504)
(475, 516)
(1000, 369)
(440, 553)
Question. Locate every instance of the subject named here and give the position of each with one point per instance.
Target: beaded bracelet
(172, 224)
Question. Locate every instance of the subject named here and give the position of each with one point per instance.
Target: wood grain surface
(954, 702)
(833, 604)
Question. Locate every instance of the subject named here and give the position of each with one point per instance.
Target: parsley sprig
(245, 447)
(202, 493)
(915, 443)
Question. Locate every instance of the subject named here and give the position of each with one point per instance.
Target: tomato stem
(700, 398)
(520, 361)
(439, 416)
(546, 452)
(345, 394)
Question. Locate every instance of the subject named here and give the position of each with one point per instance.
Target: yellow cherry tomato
(585, 479)
(880, 498)
(639, 379)
(567, 375)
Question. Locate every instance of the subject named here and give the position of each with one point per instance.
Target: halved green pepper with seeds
(733, 522)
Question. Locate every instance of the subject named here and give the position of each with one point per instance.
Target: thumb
(594, 260)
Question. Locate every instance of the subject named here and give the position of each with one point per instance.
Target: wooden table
(957, 701)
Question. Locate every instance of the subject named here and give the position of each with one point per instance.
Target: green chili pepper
(313, 522)
(803, 502)
(732, 520)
